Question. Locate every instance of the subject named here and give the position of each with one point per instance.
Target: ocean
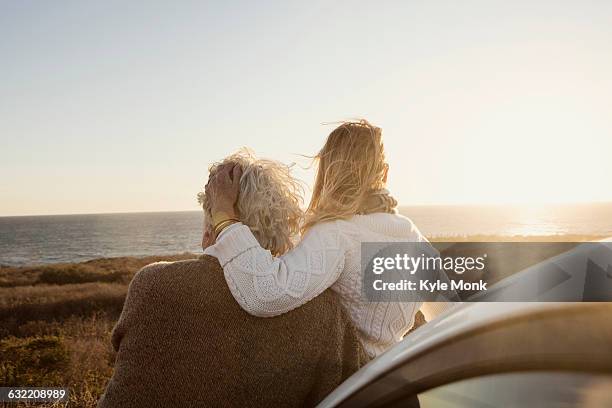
(27, 240)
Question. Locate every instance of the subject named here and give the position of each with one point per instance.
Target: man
(183, 341)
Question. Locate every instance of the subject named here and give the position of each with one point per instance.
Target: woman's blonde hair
(351, 166)
(269, 201)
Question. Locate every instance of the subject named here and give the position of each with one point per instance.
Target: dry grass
(98, 270)
(52, 303)
(75, 353)
(56, 321)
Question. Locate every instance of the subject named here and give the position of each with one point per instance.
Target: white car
(539, 354)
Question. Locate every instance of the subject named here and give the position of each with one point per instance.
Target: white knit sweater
(327, 256)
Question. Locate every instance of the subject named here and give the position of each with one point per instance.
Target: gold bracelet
(219, 216)
(224, 221)
(223, 225)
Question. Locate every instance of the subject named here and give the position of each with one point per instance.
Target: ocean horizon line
(437, 205)
(51, 238)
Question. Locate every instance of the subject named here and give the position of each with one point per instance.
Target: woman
(349, 206)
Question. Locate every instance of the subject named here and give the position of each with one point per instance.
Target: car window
(524, 389)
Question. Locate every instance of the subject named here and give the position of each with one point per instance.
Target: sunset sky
(115, 107)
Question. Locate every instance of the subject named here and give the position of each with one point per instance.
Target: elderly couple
(272, 314)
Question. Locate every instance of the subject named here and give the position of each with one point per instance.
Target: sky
(122, 106)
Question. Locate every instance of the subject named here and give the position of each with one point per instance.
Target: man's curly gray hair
(268, 202)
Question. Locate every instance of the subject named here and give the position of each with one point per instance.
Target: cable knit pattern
(327, 256)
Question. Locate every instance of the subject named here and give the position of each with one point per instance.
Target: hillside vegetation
(56, 321)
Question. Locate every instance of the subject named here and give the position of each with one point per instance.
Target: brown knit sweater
(183, 341)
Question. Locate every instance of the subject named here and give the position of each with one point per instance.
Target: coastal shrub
(118, 270)
(56, 323)
(79, 274)
(49, 303)
(79, 356)
(33, 361)
(15, 276)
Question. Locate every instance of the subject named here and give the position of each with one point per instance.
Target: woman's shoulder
(390, 224)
